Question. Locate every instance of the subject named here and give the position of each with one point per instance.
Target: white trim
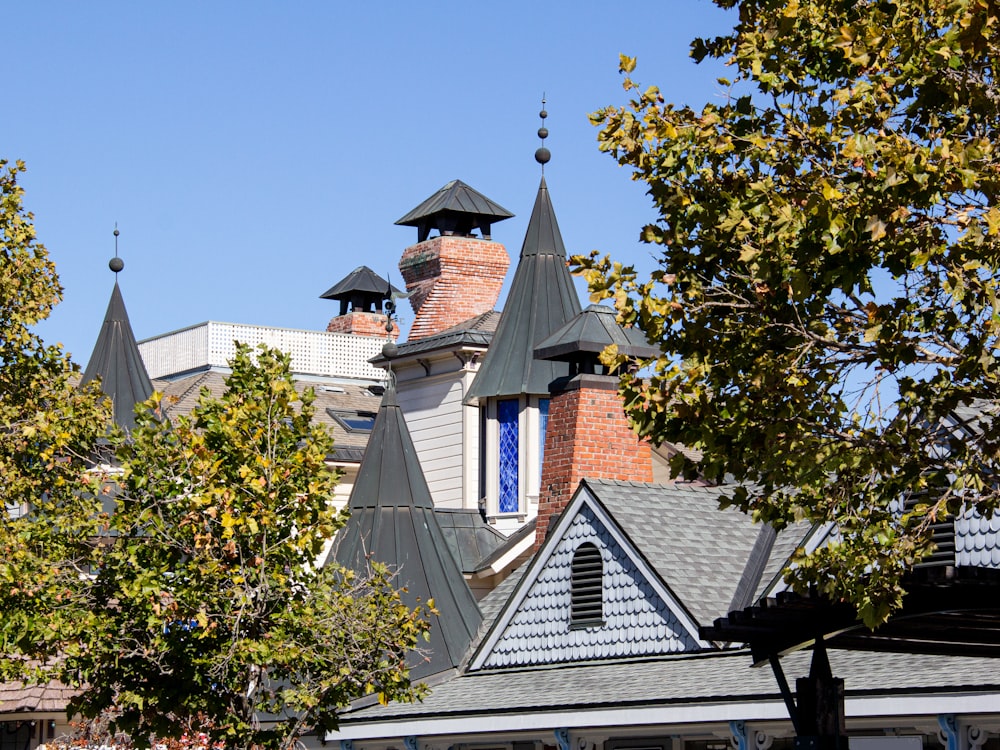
(583, 496)
(897, 710)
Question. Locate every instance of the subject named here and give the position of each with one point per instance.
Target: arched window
(587, 587)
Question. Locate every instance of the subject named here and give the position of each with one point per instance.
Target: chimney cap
(589, 333)
(455, 209)
(361, 279)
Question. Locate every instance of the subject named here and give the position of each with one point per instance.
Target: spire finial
(542, 155)
(116, 264)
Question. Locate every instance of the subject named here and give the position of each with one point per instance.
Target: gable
(640, 617)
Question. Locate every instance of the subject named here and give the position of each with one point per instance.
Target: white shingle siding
(977, 540)
(637, 622)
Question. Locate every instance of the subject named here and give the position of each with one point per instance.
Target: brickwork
(361, 324)
(453, 279)
(587, 436)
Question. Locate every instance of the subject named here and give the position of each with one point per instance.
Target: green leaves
(831, 243)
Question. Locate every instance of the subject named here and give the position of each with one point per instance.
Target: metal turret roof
(116, 361)
(457, 209)
(393, 520)
(361, 279)
(589, 333)
(541, 300)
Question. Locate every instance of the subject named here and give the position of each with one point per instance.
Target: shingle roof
(51, 697)
(393, 520)
(475, 332)
(699, 550)
(182, 395)
(116, 361)
(541, 300)
(699, 679)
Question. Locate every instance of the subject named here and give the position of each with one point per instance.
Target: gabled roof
(535, 627)
(116, 361)
(541, 300)
(455, 208)
(393, 521)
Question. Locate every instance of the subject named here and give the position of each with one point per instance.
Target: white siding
(434, 416)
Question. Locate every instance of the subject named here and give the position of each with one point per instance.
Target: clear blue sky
(254, 153)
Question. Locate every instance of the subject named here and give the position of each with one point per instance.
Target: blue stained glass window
(507, 416)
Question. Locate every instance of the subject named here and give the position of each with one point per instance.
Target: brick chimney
(454, 276)
(362, 324)
(361, 294)
(451, 280)
(588, 435)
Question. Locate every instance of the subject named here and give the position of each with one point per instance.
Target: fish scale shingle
(539, 631)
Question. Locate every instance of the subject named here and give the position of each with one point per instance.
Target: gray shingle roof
(712, 677)
(541, 300)
(116, 361)
(475, 332)
(182, 395)
(636, 619)
(393, 521)
(699, 550)
(51, 697)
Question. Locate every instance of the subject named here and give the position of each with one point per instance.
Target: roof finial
(116, 264)
(542, 155)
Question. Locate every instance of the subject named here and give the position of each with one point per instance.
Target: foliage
(49, 430)
(206, 611)
(827, 278)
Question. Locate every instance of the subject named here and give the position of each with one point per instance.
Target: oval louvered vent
(587, 588)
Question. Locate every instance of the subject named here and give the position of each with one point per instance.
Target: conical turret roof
(541, 300)
(392, 519)
(117, 362)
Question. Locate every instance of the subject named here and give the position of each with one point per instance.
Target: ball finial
(116, 264)
(389, 350)
(542, 156)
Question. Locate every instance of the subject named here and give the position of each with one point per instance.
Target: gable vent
(587, 587)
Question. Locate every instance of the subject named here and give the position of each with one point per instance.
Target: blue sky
(255, 153)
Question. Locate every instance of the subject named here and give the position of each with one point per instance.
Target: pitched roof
(698, 549)
(589, 333)
(470, 538)
(116, 361)
(541, 300)
(181, 395)
(457, 208)
(50, 697)
(393, 520)
(668, 686)
(361, 279)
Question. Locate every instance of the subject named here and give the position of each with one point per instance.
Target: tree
(826, 290)
(49, 430)
(206, 611)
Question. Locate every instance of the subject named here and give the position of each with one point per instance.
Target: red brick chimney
(362, 324)
(588, 435)
(452, 279)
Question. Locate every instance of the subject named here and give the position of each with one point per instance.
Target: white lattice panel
(213, 344)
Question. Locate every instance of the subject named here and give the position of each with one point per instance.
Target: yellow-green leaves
(832, 237)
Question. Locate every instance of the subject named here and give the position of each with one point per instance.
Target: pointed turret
(541, 300)
(392, 520)
(116, 359)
